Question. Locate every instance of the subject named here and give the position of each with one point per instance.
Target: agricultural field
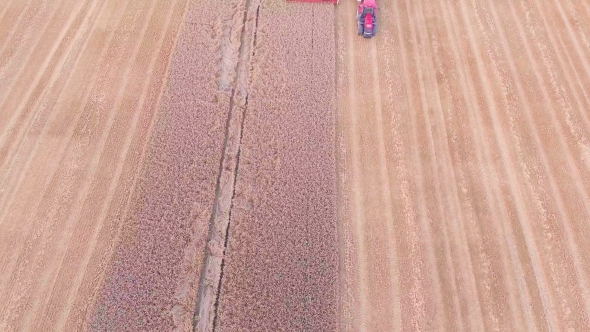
(80, 83)
(255, 165)
(464, 140)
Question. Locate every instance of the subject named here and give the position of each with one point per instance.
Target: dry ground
(465, 166)
(79, 85)
(115, 206)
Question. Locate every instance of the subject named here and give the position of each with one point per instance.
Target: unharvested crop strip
(215, 318)
(213, 265)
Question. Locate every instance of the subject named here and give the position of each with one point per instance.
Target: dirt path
(79, 84)
(464, 169)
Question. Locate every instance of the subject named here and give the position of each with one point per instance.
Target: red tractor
(366, 18)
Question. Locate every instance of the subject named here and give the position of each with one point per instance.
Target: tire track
(376, 239)
(347, 241)
(96, 180)
(283, 238)
(483, 260)
(388, 310)
(385, 189)
(430, 199)
(17, 173)
(397, 148)
(358, 219)
(61, 154)
(515, 190)
(207, 307)
(482, 154)
(64, 215)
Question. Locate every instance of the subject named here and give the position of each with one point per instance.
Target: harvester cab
(367, 18)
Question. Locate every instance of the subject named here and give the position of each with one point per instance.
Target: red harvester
(366, 18)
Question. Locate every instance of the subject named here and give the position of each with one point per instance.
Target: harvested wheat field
(79, 87)
(255, 165)
(464, 141)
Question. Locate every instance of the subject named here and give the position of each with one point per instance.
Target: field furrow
(280, 270)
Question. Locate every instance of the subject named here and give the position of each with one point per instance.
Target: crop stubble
(82, 85)
(236, 48)
(466, 137)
